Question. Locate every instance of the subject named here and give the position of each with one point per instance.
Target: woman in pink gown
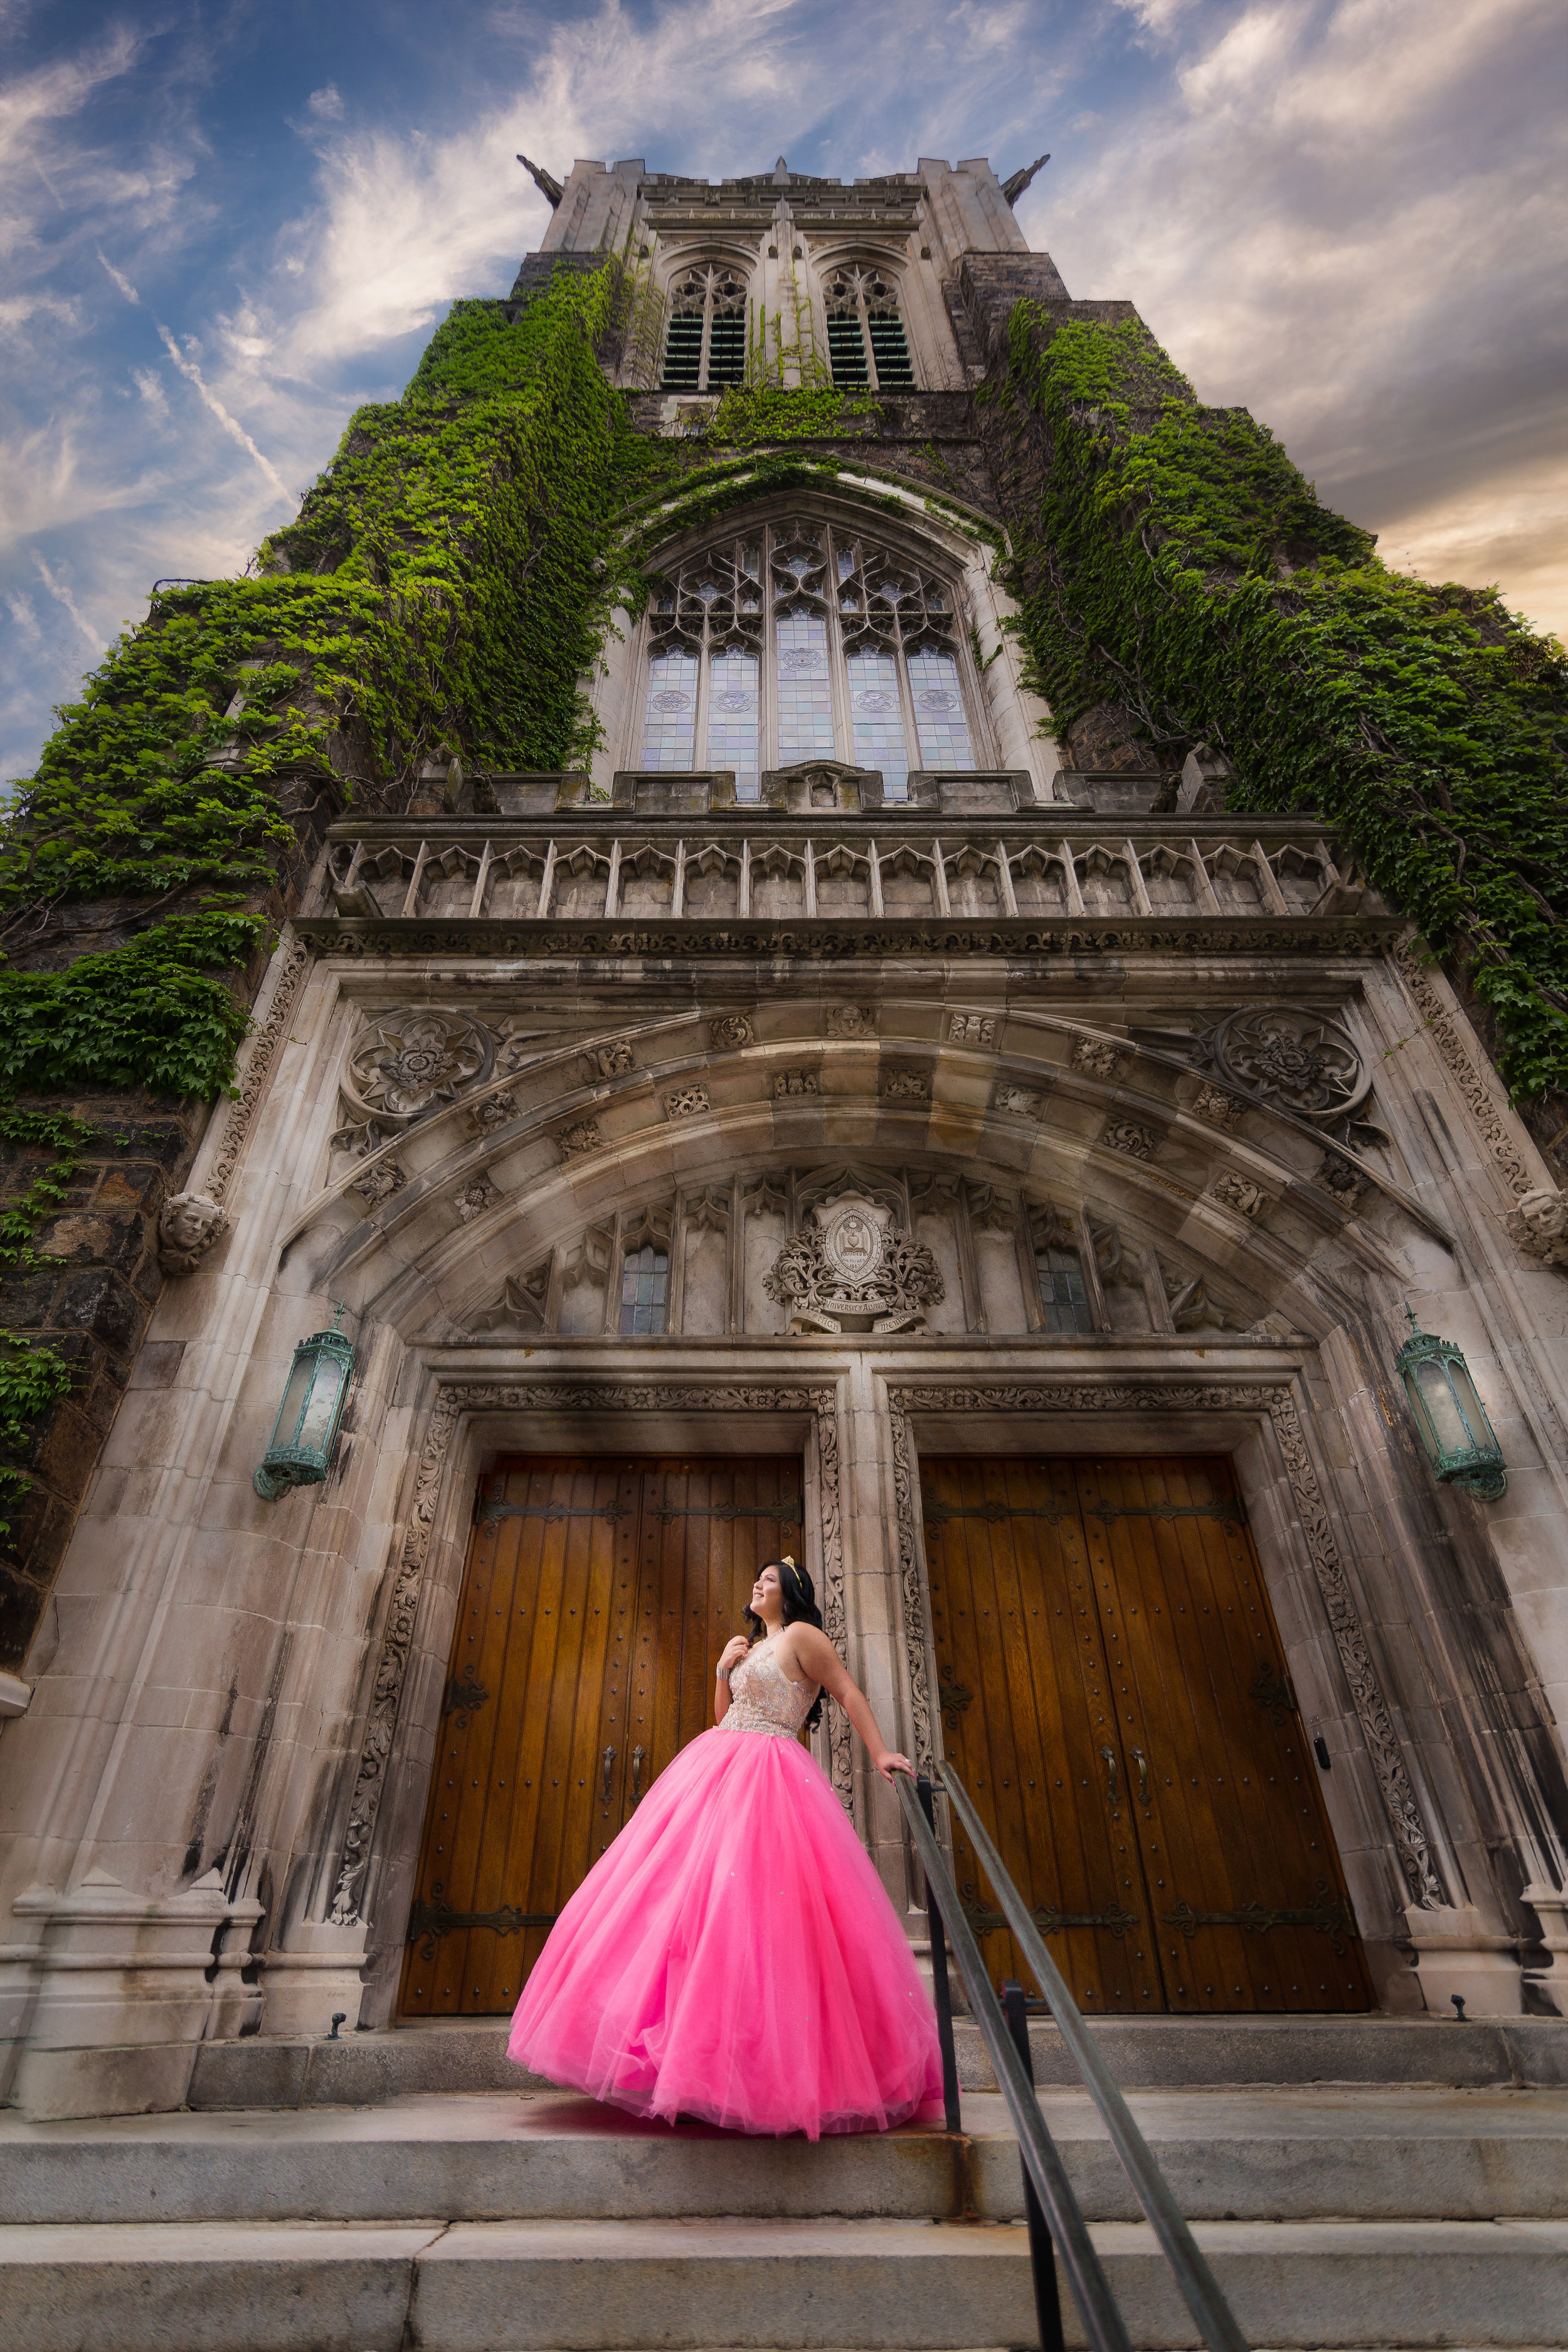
(733, 1958)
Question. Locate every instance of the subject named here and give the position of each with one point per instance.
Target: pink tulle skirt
(735, 1958)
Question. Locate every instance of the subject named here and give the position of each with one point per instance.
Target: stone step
(1260, 2155)
(882, 2287)
(1152, 2053)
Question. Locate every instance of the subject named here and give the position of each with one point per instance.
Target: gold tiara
(785, 1561)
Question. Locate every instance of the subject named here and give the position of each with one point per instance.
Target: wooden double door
(1114, 1697)
(597, 1598)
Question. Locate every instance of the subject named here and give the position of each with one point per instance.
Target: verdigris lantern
(306, 1429)
(1449, 1415)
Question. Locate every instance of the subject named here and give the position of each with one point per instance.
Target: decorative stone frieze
(259, 1057)
(1218, 1108)
(904, 1085)
(1238, 1193)
(1128, 1135)
(1018, 1102)
(850, 1021)
(583, 1136)
(190, 1227)
(476, 1196)
(1448, 1033)
(971, 1029)
(493, 1111)
(853, 1269)
(379, 1183)
(685, 1102)
(1098, 1057)
(610, 1061)
(787, 1083)
(730, 1030)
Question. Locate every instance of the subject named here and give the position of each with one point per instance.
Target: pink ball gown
(733, 1957)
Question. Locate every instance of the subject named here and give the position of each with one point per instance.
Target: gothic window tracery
(705, 342)
(800, 641)
(865, 339)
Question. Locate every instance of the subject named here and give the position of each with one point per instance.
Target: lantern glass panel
(1442, 1410)
(293, 1405)
(1470, 1405)
(319, 1414)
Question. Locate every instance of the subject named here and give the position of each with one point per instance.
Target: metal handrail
(1042, 2158)
(1200, 2289)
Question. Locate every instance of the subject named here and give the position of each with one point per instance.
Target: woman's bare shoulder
(811, 1647)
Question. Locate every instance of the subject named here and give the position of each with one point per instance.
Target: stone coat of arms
(853, 1269)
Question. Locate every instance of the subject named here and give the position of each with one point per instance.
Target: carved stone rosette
(452, 1401)
(1411, 1841)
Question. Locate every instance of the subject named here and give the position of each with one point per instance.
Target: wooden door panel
(1020, 1684)
(1240, 1870)
(595, 1599)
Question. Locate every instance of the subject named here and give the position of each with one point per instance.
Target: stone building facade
(955, 1092)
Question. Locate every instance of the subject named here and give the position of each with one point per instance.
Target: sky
(224, 225)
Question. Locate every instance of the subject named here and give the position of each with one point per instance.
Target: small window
(645, 1291)
(1062, 1290)
(866, 338)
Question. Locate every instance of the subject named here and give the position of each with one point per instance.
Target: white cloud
(23, 616)
(231, 425)
(153, 393)
(62, 596)
(120, 277)
(325, 104)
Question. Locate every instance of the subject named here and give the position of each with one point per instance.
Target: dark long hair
(799, 1608)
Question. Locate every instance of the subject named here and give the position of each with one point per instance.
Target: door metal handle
(609, 1763)
(1142, 1761)
(1107, 1756)
(639, 1758)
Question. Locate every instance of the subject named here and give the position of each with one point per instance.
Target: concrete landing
(1152, 2053)
(1236, 2155)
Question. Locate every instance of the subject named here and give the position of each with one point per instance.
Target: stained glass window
(803, 642)
(1063, 1293)
(645, 1290)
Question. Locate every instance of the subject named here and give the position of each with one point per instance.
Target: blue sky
(224, 225)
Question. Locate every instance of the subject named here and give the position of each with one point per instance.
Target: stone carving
(493, 1112)
(905, 1086)
(852, 1269)
(478, 1195)
(585, 1135)
(1098, 1057)
(685, 1102)
(1538, 1228)
(1127, 1135)
(379, 1184)
(413, 1062)
(397, 1636)
(611, 1061)
(1239, 1193)
(520, 1306)
(263, 1052)
(1193, 1307)
(1449, 1035)
(1294, 1061)
(971, 1029)
(1341, 1178)
(190, 1224)
(730, 1030)
(1410, 1842)
(1021, 1102)
(795, 1082)
(1218, 1108)
(513, 1040)
(850, 1021)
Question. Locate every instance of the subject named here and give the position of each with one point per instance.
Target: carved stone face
(189, 1225)
(1544, 1215)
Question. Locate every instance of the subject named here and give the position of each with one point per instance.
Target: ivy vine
(33, 1376)
(1170, 557)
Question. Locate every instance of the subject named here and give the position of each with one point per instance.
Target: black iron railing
(1054, 2214)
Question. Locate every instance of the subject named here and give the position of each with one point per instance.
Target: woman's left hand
(887, 1763)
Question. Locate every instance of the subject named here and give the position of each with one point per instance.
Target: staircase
(1355, 2183)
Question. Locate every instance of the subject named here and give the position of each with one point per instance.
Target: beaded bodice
(763, 1698)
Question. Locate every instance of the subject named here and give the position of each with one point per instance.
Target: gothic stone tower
(769, 1056)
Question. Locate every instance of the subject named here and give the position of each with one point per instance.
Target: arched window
(1063, 1293)
(705, 345)
(645, 1290)
(801, 640)
(866, 342)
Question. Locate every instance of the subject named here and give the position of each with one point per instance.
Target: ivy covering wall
(1169, 557)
